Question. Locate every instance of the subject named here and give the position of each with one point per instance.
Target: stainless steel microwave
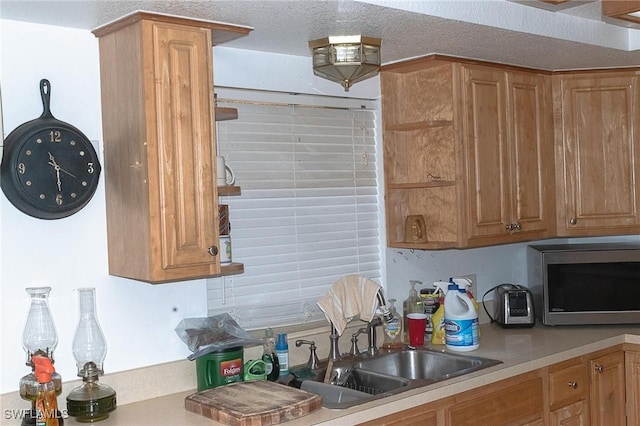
(580, 284)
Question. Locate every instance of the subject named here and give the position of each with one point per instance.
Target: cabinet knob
(573, 221)
(213, 250)
(573, 385)
(518, 226)
(599, 368)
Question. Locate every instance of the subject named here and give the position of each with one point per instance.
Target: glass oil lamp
(92, 401)
(39, 337)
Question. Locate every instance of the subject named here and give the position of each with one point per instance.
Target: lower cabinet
(632, 373)
(597, 389)
(493, 404)
(568, 393)
(607, 388)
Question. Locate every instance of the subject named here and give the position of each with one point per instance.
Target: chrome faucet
(382, 304)
(334, 351)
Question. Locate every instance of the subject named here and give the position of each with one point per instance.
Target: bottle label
(283, 360)
(461, 332)
(393, 328)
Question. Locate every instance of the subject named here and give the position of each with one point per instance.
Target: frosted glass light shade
(346, 59)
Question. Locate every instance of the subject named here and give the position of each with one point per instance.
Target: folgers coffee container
(431, 301)
(219, 368)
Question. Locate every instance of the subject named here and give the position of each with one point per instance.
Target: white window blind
(308, 213)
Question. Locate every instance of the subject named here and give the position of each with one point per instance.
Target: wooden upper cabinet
(159, 143)
(597, 156)
(469, 147)
(509, 155)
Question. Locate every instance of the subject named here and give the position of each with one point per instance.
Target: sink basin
(354, 386)
(419, 364)
(362, 379)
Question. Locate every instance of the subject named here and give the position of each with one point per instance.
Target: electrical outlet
(474, 286)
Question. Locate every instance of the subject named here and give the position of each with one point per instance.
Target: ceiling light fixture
(346, 59)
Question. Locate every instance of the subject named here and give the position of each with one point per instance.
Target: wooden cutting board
(254, 403)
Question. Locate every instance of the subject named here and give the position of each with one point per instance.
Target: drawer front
(568, 384)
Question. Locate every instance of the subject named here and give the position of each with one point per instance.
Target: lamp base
(91, 402)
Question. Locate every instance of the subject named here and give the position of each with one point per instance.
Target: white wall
(138, 319)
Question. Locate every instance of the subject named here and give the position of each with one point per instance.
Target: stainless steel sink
(361, 379)
(423, 364)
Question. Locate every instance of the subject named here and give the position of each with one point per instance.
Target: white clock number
(22, 168)
(55, 136)
(59, 199)
(90, 168)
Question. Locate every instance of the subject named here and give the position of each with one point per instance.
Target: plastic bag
(217, 333)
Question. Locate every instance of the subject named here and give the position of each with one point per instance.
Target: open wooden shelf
(231, 268)
(417, 125)
(229, 190)
(415, 185)
(226, 113)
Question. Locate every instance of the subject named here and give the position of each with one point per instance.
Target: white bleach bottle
(460, 320)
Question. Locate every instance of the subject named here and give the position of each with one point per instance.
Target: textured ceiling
(518, 32)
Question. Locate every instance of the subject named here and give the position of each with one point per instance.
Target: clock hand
(63, 170)
(52, 160)
(57, 167)
(58, 177)
(53, 163)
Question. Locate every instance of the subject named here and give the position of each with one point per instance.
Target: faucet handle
(313, 361)
(354, 341)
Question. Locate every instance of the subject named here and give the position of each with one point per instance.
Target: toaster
(514, 306)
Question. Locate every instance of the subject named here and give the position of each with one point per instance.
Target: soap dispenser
(392, 328)
(410, 305)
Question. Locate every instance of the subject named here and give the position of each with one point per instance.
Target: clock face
(53, 172)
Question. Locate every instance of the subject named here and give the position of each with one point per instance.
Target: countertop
(520, 350)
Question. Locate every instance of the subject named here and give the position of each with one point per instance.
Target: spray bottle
(465, 284)
(46, 402)
(461, 320)
(437, 319)
(410, 305)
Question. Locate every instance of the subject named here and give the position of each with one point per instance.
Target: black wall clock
(49, 168)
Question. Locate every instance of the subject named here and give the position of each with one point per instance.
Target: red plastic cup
(417, 324)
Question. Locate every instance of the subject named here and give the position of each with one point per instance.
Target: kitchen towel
(349, 297)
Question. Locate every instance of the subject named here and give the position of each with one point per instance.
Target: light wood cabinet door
(632, 368)
(575, 414)
(423, 415)
(597, 156)
(607, 390)
(485, 139)
(159, 142)
(530, 129)
(516, 401)
(509, 155)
